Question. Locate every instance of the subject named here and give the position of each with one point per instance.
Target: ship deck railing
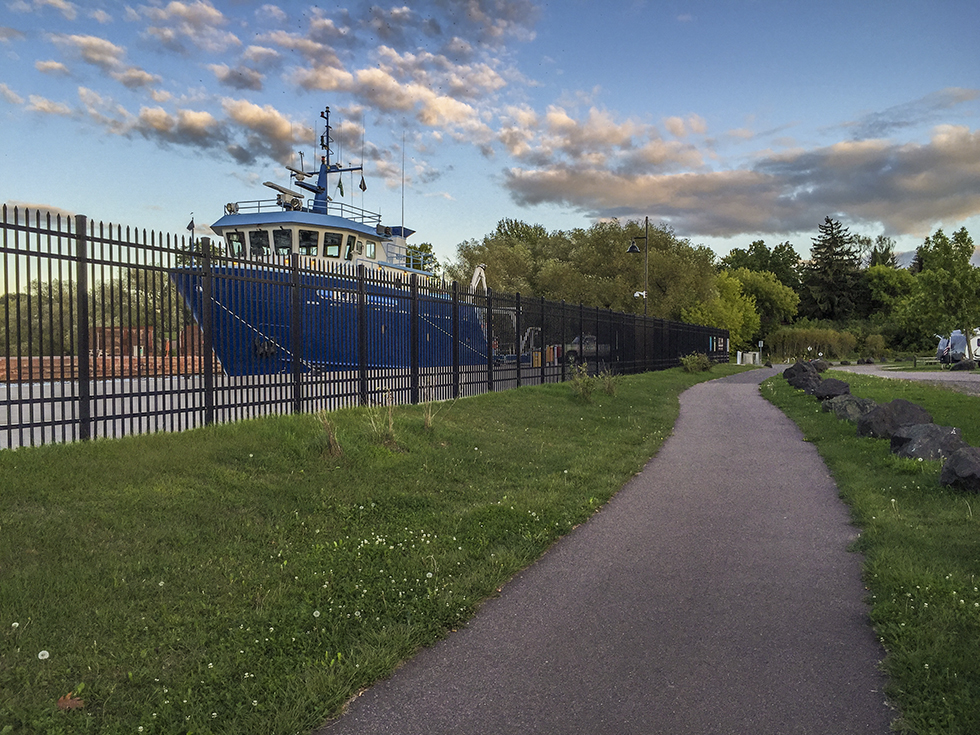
(337, 209)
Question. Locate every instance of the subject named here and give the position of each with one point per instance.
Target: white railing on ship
(339, 209)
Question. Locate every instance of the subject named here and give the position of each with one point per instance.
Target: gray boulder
(798, 368)
(927, 441)
(820, 365)
(831, 388)
(962, 470)
(848, 408)
(883, 421)
(964, 365)
(802, 375)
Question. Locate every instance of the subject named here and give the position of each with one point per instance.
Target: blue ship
(355, 292)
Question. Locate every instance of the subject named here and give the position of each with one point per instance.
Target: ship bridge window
(331, 244)
(236, 244)
(283, 240)
(370, 249)
(351, 244)
(258, 241)
(308, 240)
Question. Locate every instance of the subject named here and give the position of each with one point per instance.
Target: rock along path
(713, 595)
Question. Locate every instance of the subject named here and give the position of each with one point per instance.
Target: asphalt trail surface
(714, 594)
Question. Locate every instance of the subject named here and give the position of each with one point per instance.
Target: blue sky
(730, 120)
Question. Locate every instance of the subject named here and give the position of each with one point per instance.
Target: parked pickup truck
(590, 349)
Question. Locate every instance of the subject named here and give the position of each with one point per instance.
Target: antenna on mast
(403, 180)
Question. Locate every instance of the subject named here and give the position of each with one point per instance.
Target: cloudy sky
(730, 120)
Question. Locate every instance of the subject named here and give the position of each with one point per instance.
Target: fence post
(518, 324)
(455, 290)
(489, 340)
(544, 349)
(84, 346)
(414, 337)
(207, 328)
(561, 353)
(296, 331)
(362, 380)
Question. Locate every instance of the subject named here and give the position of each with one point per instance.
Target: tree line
(852, 294)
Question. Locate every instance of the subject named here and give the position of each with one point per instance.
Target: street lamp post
(634, 250)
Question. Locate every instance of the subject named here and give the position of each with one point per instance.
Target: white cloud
(198, 23)
(47, 107)
(241, 77)
(51, 67)
(261, 56)
(271, 11)
(133, 77)
(10, 95)
(67, 9)
(92, 49)
(907, 188)
(10, 34)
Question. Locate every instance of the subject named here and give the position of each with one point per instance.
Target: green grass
(922, 548)
(251, 578)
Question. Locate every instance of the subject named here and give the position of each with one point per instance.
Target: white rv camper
(957, 347)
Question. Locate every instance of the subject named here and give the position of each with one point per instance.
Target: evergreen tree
(833, 277)
(883, 253)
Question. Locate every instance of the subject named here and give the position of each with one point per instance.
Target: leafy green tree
(783, 261)
(889, 287)
(422, 257)
(832, 279)
(775, 303)
(729, 308)
(946, 295)
(591, 266)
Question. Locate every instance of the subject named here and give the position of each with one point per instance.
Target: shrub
(609, 381)
(874, 345)
(583, 385)
(696, 362)
(808, 342)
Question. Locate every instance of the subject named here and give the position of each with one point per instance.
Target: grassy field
(251, 578)
(922, 549)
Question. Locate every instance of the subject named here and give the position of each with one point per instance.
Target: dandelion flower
(44, 655)
(15, 625)
(316, 613)
(428, 575)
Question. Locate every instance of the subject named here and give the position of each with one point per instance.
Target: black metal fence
(107, 332)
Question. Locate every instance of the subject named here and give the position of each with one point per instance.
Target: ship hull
(253, 312)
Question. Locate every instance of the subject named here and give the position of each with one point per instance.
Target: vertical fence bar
(296, 300)
(562, 359)
(490, 341)
(207, 349)
(455, 318)
(414, 331)
(518, 341)
(362, 376)
(84, 349)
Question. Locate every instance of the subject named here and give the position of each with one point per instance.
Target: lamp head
(633, 250)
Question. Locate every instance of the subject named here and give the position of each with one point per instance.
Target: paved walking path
(713, 595)
(962, 381)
